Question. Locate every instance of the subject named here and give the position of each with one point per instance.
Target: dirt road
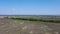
(9, 26)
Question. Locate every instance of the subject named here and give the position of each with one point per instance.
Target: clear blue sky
(29, 7)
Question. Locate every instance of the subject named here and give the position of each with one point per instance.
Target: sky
(29, 7)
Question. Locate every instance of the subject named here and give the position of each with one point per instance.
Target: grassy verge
(31, 19)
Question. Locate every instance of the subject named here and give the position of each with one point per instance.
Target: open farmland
(37, 17)
(42, 18)
(13, 26)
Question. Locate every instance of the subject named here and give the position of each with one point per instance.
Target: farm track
(9, 26)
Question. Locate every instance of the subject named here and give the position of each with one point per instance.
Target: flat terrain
(9, 26)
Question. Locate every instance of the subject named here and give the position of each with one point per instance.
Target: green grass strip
(31, 19)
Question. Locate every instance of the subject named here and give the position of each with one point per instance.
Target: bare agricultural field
(12, 26)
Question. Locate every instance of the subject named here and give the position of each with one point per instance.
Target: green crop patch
(41, 20)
